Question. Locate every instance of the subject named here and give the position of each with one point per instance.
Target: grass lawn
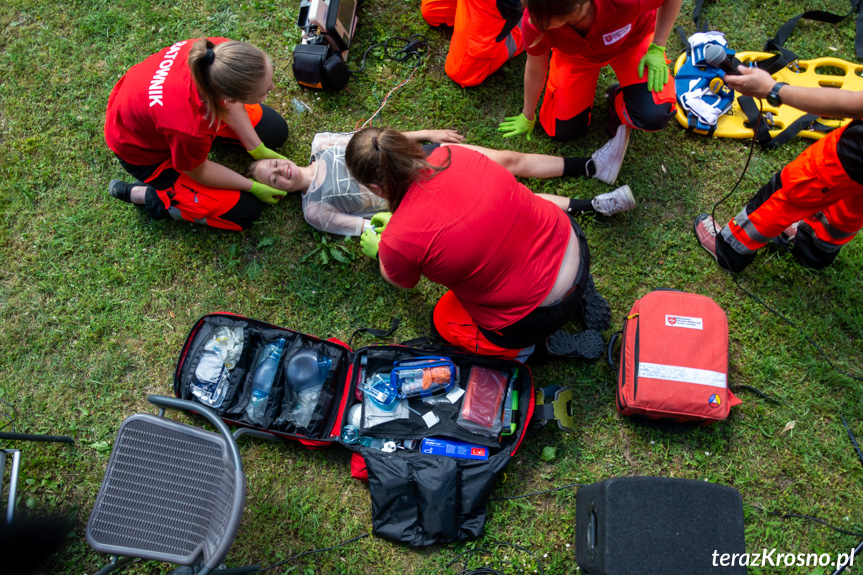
(96, 299)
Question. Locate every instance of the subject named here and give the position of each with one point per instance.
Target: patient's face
(280, 174)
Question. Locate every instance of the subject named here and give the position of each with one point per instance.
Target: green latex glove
(369, 242)
(515, 125)
(267, 194)
(262, 152)
(380, 221)
(657, 67)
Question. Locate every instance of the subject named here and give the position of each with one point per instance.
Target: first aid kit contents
(382, 402)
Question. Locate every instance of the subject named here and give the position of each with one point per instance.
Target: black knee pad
(806, 250)
(643, 110)
(272, 129)
(566, 130)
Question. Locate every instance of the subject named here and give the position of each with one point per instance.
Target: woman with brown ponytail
(164, 115)
(516, 264)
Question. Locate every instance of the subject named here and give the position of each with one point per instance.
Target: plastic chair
(171, 492)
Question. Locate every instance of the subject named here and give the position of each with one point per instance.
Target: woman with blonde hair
(517, 266)
(165, 114)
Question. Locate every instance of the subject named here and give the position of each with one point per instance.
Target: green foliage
(96, 299)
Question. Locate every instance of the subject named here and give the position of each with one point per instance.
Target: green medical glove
(369, 242)
(657, 67)
(515, 125)
(262, 152)
(267, 194)
(380, 221)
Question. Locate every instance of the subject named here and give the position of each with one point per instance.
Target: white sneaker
(609, 157)
(620, 200)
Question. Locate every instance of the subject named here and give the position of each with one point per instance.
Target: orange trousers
(474, 52)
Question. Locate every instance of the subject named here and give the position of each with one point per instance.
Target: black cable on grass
(539, 492)
(734, 276)
(809, 517)
(295, 557)
(497, 566)
(852, 438)
(411, 52)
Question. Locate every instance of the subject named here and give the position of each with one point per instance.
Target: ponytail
(387, 158)
(230, 70)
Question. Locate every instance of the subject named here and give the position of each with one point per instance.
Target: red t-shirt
(473, 228)
(155, 113)
(618, 25)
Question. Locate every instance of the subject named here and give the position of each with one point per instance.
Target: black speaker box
(658, 526)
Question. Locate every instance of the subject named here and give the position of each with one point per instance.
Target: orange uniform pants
(474, 52)
(571, 89)
(822, 189)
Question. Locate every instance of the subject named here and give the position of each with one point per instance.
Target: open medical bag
(674, 359)
(432, 460)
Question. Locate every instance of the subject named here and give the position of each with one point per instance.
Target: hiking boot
(609, 157)
(585, 345)
(608, 204)
(123, 190)
(613, 118)
(596, 309)
(706, 232)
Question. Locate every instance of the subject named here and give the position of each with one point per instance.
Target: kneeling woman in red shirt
(516, 265)
(164, 115)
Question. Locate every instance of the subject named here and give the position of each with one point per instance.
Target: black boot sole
(585, 345)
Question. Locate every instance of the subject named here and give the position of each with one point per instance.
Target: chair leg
(116, 563)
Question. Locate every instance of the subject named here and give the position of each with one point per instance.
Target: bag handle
(394, 325)
(611, 343)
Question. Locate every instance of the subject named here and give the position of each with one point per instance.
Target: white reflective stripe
(684, 374)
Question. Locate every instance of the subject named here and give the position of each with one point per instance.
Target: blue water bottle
(262, 381)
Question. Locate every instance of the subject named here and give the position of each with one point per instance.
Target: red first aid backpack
(674, 359)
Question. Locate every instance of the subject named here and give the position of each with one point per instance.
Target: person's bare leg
(520, 164)
(137, 195)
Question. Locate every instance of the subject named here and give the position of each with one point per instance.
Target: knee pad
(644, 110)
(566, 130)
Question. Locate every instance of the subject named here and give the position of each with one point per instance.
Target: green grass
(96, 299)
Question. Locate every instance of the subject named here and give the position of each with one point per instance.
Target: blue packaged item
(423, 376)
(381, 392)
(448, 448)
(262, 381)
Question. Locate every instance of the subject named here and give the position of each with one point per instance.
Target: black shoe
(123, 190)
(613, 118)
(585, 345)
(596, 309)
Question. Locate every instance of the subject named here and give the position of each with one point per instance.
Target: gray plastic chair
(171, 492)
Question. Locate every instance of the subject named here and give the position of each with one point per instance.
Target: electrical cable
(809, 517)
(734, 275)
(295, 557)
(539, 492)
(411, 53)
(494, 569)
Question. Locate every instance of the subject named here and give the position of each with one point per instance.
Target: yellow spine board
(820, 72)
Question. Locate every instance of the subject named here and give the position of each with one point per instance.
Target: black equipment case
(417, 498)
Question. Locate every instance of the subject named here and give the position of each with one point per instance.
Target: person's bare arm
(665, 17)
(435, 136)
(239, 122)
(535, 73)
(218, 176)
(828, 102)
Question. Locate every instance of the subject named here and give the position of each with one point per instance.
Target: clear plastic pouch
(481, 408)
(423, 376)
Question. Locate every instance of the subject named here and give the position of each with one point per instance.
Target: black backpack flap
(424, 500)
(309, 62)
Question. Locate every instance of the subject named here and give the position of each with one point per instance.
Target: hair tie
(209, 56)
(375, 143)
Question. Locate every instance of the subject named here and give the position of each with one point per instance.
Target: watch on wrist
(773, 96)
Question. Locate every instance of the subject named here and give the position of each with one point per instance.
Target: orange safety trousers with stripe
(454, 324)
(186, 199)
(821, 190)
(571, 90)
(474, 52)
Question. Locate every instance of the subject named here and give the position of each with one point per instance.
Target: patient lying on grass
(335, 202)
